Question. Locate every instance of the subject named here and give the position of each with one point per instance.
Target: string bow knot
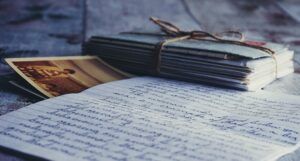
(173, 31)
(177, 34)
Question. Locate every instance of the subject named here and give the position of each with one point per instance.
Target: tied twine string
(176, 34)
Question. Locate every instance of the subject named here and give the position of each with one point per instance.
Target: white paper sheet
(156, 119)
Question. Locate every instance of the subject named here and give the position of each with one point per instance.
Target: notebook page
(155, 119)
(264, 116)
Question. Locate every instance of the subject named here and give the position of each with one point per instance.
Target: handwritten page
(149, 118)
(288, 84)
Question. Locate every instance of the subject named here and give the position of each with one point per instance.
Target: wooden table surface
(55, 28)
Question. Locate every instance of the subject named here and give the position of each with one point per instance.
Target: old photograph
(63, 75)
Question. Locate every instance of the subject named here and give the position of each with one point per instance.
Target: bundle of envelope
(211, 62)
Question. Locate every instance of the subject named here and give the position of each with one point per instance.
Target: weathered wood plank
(114, 16)
(40, 28)
(262, 20)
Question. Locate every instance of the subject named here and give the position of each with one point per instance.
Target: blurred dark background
(55, 28)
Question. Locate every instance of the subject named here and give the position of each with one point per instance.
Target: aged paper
(156, 119)
(54, 76)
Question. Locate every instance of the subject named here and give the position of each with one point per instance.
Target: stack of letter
(230, 65)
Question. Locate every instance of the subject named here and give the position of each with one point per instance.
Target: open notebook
(147, 118)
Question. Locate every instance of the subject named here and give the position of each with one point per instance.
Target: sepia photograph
(63, 75)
